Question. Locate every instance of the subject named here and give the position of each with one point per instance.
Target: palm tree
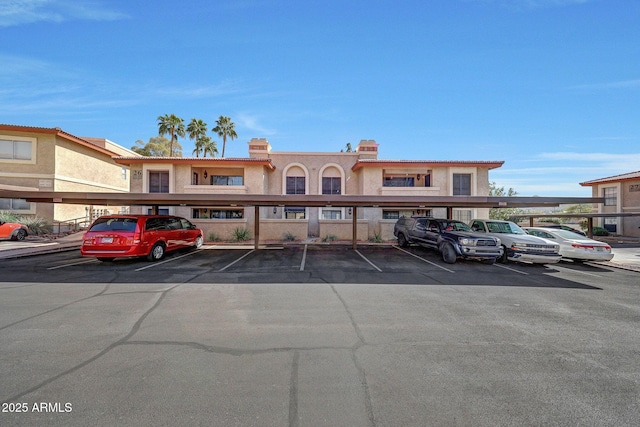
(209, 146)
(172, 125)
(196, 130)
(225, 128)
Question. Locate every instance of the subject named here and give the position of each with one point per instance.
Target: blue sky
(552, 87)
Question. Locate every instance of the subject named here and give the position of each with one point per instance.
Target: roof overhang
(196, 161)
(188, 199)
(362, 163)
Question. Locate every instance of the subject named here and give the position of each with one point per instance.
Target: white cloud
(251, 123)
(18, 12)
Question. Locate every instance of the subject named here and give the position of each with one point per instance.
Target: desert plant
(329, 238)
(377, 237)
(213, 237)
(599, 231)
(36, 225)
(240, 234)
(289, 237)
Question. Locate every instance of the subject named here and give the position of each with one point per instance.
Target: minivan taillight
(136, 237)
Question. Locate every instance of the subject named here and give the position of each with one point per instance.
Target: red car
(13, 230)
(150, 236)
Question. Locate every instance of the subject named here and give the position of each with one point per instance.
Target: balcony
(216, 189)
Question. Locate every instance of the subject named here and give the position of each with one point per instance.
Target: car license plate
(107, 240)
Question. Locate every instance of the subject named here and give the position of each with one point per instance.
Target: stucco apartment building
(621, 194)
(50, 159)
(313, 173)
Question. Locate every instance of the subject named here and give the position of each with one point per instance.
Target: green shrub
(36, 225)
(329, 238)
(599, 231)
(377, 237)
(289, 237)
(240, 234)
(213, 237)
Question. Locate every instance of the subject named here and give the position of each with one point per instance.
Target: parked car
(13, 230)
(573, 246)
(150, 236)
(453, 239)
(517, 244)
(565, 227)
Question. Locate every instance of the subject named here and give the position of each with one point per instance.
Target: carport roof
(198, 199)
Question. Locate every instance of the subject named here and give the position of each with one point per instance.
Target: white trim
(464, 171)
(342, 190)
(34, 149)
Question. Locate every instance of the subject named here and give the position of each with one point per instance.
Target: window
(464, 215)
(208, 213)
(388, 214)
(295, 185)
(461, 184)
(610, 196)
(331, 214)
(404, 181)
(14, 205)
(293, 212)
(226, 180)
(15, 150)
(124, 173)
(158, 182)
(331, 185)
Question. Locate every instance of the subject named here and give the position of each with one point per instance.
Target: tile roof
(615, 178)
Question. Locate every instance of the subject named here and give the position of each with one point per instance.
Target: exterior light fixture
(205, 174)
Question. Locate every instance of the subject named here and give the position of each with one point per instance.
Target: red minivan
(150, 236)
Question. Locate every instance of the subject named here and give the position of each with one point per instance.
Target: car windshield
(114, 224)
(455, 226)
(504, 227)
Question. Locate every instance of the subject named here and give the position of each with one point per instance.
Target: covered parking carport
(155, 200)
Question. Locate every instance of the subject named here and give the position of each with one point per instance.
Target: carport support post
(449, 212)
(590, 227)
(256, 226)
(354, 233)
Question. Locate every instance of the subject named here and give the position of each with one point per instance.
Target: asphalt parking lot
(316, 335)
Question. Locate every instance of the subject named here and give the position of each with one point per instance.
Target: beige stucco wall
(628, 202)
(343, 229)
(62, 165)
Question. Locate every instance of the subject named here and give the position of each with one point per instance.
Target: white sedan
(574, 246)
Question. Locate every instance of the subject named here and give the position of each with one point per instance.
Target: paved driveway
(196, 341)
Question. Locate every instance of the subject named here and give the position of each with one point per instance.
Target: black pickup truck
(453, 239)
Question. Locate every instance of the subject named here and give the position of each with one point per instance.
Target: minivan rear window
(114, 224)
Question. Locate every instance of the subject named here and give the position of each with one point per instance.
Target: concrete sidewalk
(40, 245)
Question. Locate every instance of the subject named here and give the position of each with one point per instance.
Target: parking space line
(425, 260)
(86, 261)
(511, 269)
(365, 258)
(569, 270)
(229, 265)
(168, 260)
(304, 258)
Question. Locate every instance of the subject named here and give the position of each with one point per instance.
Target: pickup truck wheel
(402, 241)
(503, 258)
(448, 253)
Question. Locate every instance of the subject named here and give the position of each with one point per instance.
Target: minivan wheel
(448, 253)
(157, 252)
